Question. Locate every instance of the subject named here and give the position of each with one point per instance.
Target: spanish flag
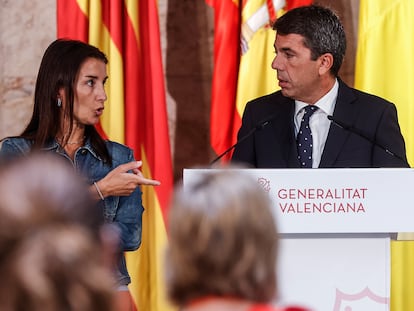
(384, 67)
(243, 53)
(127, 31)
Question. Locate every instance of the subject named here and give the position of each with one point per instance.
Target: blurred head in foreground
(222, 240)
(53, 243)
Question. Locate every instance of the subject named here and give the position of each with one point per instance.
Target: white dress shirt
(319, 122)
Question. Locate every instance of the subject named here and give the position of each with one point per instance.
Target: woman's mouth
(99, 111)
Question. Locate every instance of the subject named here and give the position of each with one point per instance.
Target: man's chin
(285, 92)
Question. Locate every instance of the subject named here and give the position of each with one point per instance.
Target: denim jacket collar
(53, 145)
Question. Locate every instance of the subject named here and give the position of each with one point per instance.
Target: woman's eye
(90, 82)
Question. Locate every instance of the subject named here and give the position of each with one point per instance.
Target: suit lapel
(289, 140)
(292, 155)
(344, 110)
(278, 140)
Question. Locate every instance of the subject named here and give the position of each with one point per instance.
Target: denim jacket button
(83, 152)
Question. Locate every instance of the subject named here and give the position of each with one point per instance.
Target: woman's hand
(119, 182)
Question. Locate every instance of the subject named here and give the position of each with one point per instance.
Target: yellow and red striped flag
(243, 53)
(127, 32)
(384, 67)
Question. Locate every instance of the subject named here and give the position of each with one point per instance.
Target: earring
(59, 102)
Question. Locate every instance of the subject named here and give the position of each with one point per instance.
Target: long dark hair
(58, 70)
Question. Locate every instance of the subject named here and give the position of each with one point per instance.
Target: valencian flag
(243, 53)
(127, 31)
(385, 67)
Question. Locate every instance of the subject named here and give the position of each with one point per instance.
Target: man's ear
(326, 63)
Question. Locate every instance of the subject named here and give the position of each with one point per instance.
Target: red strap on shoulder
(263, 307)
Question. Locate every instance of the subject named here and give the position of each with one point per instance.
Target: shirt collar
(326, 103)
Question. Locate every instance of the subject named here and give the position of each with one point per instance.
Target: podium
(335, 228)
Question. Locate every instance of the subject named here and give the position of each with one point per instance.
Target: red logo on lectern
(364, 300)
(265, 183)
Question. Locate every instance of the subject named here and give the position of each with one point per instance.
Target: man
(362, 129)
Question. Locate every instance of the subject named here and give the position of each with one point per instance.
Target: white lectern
(335, 227)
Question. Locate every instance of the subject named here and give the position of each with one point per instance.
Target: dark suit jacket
(273, 145)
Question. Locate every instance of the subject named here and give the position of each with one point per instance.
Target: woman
(69, 99)
(222, 245)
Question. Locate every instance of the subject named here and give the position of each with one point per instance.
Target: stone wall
(26, 29)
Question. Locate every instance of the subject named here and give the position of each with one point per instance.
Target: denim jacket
(124, 211)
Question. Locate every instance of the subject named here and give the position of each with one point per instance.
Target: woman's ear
(60, 94)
